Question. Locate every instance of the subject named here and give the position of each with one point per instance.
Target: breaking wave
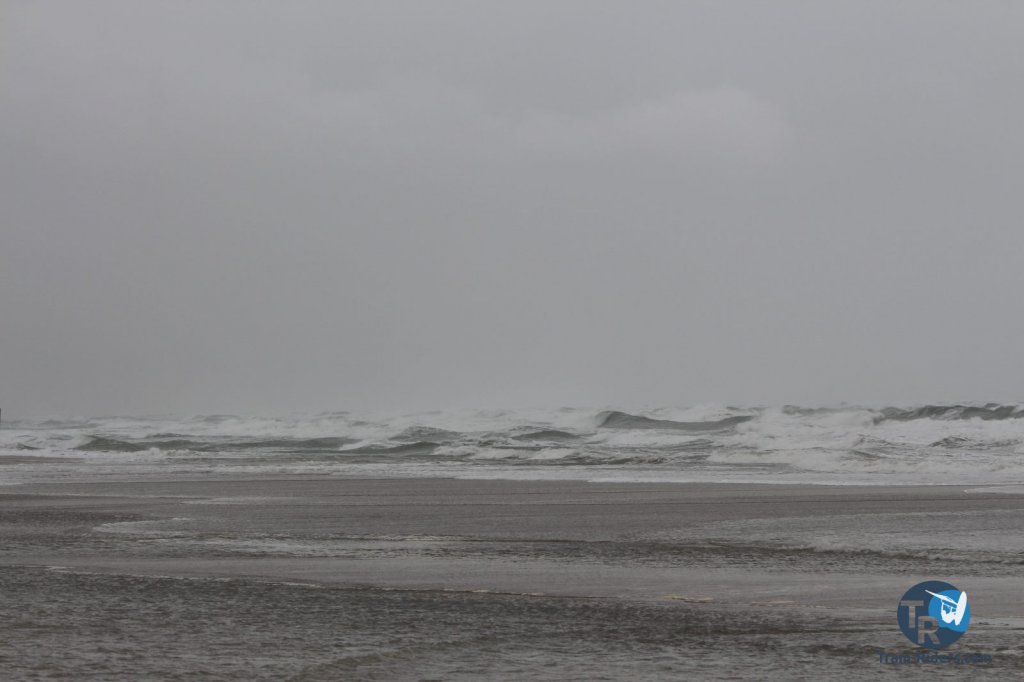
(100, 444)
(403, 448)
(964, 443)
(991, 411)
(622, 420)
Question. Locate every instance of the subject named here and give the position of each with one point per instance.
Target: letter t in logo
(912, 605)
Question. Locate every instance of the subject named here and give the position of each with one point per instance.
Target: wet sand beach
(335, 578)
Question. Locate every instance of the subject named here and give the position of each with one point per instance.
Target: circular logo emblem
(933, 614)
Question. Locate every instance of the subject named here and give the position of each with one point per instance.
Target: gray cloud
(274, 206)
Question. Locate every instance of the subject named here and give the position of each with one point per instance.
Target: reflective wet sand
(449, 579)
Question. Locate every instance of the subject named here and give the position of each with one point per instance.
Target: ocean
(978, 445)
(710, 542)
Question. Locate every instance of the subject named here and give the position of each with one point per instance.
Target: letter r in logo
(927, 628)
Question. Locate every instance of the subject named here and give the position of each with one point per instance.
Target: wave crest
(991, 411)
(623, 420)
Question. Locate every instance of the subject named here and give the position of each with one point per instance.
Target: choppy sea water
(931, 444)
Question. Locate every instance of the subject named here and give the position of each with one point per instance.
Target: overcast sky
(267, 207)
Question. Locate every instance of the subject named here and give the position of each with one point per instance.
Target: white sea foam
(999, 490)
(844, 446)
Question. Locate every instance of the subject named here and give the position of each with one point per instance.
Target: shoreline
(834, 558)
(647, 524)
